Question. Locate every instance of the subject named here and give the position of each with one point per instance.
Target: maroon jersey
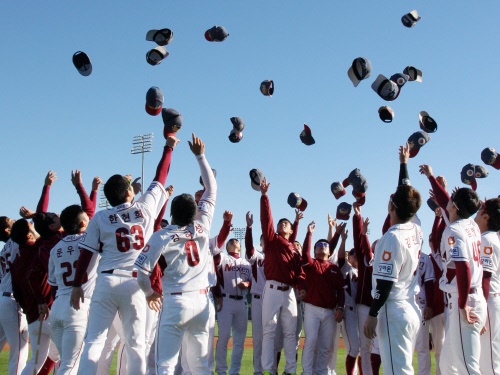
(325, 280)
(282, 262)
(365, 255)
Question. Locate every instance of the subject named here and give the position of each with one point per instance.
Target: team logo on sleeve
(488, 250)
(141, 259)
(384, 268)
(386, 256)
(146, 248)
(451, 240)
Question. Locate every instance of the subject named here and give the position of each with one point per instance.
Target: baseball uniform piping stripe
(462, 343)
(20, 334)
(80, 350)
(389, 336)
(491, 343)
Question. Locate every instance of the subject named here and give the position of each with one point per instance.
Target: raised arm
(164, 164)
(87, 205)
(306, 248)
(365, 246)
(440, 193)
(43, 203)
(341, 255)
(249, 249)
(404, 155)
(266, 217)
(295, 227)
(206, 206)
(95, 188)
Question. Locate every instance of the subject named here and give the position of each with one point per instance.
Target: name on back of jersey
(385, 268)
(137, 214)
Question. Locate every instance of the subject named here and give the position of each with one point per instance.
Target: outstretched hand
(227, 216)
(197, 146)
(298, 215)
(311, 227)
(50, 178)
(426, 170)
(340, 228)
(264, 186)
(96, 182)
(76, 178)
(364, 229)
(404, 153)
(249, 218)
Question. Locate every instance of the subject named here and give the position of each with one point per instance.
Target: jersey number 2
(123, 242)
(69, 273)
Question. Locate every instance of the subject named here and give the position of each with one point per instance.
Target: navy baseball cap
(490, 156)
(343, 211)
(216, 34)
(235, 136)
(156, 55)
(306, 136)
(161, 37)
(413, 73)
(417, 140)
(296, 201)
(256, 177)
(432, 205)
(238, 123)
(480, 171)
(360, 69)
(172, 121)
(385, 88)
(267, 87)
(427, 123)
(82, 63)
(386, 114)
(154, 101)
(399, 79)
(467, 175)
(357, 180)
(337, 189)
(410, 19)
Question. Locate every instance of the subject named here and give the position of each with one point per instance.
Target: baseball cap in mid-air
(410, 19)
(154, 101)
(296, 201)
(427, 123)
(400, 79)
(235, 136)
(413, 73)
(172, 121)
(161, 37)
(343, 211)
(480, 171)
(82, 63)
(385, 88)
(416, 141)
(357, 180)
(156, 55)
(216, 34)
(337, 189)
(215, 175)
(306, 136)
(386, 114)
(256, 177)
(490, 156)
(238, 123)
(467, 175)
(432, 205)
(267, 87)
(360, 69)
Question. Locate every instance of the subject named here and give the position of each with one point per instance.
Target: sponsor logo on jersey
(242, 269)
(486, 262)
(260, 263)
(141, 259)
(385, 268)
(451, 240)
(488, 250)
(454, 252)
(386, 256)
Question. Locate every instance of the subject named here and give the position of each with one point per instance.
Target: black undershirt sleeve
(404, 177)
(381, 294)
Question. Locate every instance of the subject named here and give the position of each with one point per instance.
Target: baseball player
(488, 221)
(393, 316)
(256, 260)
(323, 304)
(424, 299)
(234, 275)
(119, 234)
(184, 244)
(283, 272)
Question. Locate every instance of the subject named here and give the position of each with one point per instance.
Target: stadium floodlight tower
(140, 145)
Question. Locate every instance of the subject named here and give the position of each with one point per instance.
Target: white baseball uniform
(349, 326)
(233, 317)
(337, 329)
(119, 234)
(396, 260)
(185, 283)
(69, 325)
(461, 242)
(490, 340)
(425, 273)
(13, 323)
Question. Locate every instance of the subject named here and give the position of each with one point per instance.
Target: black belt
(237, 298)
(7, 294)
(202, 291)
(282, 288)
(257, 296)
(121, 273)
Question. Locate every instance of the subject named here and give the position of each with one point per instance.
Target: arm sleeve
(435, 238)
(440, 193)
(340, 291)
(486, 284)
(429, 293)
(159, 218)
(463, 277)
(82, 265)
(43, 203)
(332, 244)
(163, 166)
(357, 225)
(404, 177)
(249, 249)
(295, 230)
(387, 224)
(266, 221)
(93, 198)
(223, 233)
(382, 292)
(85, 201)
(206, 206)
(144, 283)
(306, 250)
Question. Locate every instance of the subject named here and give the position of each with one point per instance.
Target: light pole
(140, 145)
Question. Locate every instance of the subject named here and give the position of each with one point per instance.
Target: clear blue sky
(53, 118)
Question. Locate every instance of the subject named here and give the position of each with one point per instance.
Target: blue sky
(53, 118)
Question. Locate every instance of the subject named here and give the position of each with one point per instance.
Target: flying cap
(360, 197)
(82, 63)
(156, 55)
(360, 69)
(154, 101)
(399, 79)
(432, 205)
(267, 87)
(386, 113)
(480, 171)
(238, 123)
(467, 175)
(296, 201)
(216, 34)
(417, 140)
(235, 136)
(385, 88)
(337, 190)
(343, 211)
(357, 180)
(490, 156)
(215, 175)
(172, 121)
(413, 73)
(410, 19)
(306, 136)
(256, 177)
(161, 37)
(427, 123)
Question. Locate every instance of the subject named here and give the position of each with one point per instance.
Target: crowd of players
(83, 282)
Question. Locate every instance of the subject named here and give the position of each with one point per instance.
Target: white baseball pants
(257, 333)
(365, 344)
(14, 328)
(437, 331)
(46, 347)
(422, 349)
(332, 359)
(490, 340)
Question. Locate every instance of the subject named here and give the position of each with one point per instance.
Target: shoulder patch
(451, 240)
(488, 250)
(386, 256)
